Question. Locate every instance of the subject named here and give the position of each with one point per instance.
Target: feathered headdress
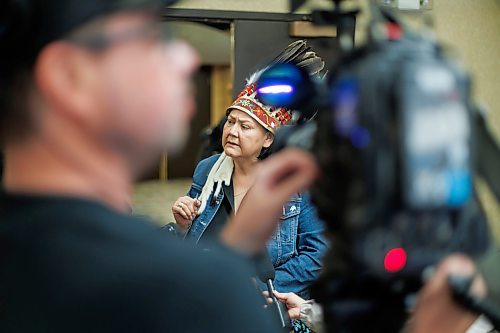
(271, 118)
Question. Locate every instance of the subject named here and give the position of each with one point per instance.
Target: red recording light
(395, 260)
(394, 31)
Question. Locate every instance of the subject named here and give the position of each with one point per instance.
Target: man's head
(102, 70)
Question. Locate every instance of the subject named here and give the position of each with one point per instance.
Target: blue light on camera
(276, 89)
(345, 99)
(276, 94)
(459, 187)
(360, 137)
(282, 85)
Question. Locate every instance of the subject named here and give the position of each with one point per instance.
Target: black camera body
(394, 137)
(396, 154)
(396, 150)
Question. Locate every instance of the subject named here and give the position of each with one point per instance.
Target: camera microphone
(266, 273)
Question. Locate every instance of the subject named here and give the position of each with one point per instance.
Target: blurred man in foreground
(91, 93)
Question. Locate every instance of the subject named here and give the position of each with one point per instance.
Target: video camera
(399, 141)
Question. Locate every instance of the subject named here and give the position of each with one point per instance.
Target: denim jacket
(296, 249)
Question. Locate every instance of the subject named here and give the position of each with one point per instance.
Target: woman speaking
(221, 182)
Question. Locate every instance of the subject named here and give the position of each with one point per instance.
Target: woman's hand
(185, 210)
(291, 300)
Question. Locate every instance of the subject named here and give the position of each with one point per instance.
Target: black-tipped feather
(297, 53)
(312, 64)
(291, 52)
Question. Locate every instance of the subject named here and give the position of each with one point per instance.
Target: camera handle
(460, 287)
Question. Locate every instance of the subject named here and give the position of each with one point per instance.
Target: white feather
(255, 76)
(221, 172)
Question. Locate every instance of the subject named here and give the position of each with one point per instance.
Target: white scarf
(221, 172)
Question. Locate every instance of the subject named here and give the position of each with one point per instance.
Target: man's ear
(269, 140)
(65, 76)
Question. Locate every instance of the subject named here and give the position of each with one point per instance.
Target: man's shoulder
(119, 271)
(69, 234)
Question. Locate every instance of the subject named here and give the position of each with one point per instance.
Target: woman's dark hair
(211, 140)
(266, 152)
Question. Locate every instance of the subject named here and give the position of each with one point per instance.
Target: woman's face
(243, 136)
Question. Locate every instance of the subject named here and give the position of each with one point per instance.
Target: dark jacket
(296, 249)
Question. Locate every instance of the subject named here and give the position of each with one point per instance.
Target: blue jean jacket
(296, 249)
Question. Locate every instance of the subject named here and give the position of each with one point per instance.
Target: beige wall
(240, 5)
(268, 6)
(474, 27)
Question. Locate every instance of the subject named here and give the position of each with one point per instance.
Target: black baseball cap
(26, 26)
